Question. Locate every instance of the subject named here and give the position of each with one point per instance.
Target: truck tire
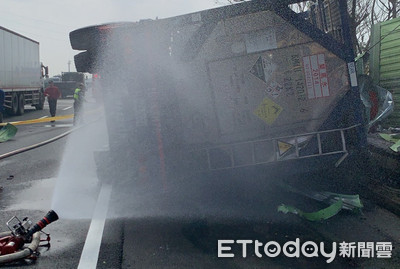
(40, 105)
(84, 38)
(14, 104)
(85, 62)
(89, 37)
(21, 104)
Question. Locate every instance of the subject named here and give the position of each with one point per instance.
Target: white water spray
(77, 185)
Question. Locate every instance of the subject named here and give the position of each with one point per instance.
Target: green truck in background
(68, 83)
(384, 63)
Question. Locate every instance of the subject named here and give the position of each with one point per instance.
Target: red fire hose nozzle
(49, 218)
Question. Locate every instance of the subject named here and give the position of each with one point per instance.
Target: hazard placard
(283, 147)
(263, 68)
(268, 111)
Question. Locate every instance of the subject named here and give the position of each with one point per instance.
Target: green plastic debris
(7, 132)
(350, 201)
(394, 138)
(336, 201)
(396, 146)
(322, 214)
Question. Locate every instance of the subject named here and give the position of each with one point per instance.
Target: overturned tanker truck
(255, 84)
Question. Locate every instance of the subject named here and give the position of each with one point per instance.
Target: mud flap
(7, 132)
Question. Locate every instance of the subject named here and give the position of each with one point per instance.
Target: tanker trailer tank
(245, 85)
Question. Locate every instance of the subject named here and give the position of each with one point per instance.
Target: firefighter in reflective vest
(79, 96)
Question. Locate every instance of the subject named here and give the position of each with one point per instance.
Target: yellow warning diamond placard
(268, 111)
(283, 147)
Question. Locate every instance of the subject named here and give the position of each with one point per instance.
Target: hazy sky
(50, 21)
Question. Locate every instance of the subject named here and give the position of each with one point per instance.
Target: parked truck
(21, 72)
(255, 84)
(69, 82)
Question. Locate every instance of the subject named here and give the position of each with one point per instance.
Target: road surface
(230, 215)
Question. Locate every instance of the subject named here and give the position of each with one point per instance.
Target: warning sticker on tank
(274, 89)
(268, 111)
(283, 147)
(316, 76)
(263, 68)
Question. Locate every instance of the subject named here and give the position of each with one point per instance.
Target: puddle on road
(36, 195)
(4, 163)
(73, 193)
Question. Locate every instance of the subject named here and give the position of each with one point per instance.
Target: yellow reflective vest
(77, 94)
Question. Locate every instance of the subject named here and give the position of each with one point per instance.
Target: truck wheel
(14, 104)
(40, 105)
(85, 62)
(89, 37)
(21, 104)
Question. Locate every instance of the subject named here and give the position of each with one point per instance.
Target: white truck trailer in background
(21, 75)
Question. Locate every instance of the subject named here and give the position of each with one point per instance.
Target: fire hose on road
(89, 258)
(22, 254)
(12, 242)
(14, 152)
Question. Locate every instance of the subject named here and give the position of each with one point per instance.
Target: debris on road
(7, 132)
(394, 138)
(322, 214)
(350, 201)
(336, 203)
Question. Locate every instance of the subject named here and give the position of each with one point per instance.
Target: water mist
(77, 185)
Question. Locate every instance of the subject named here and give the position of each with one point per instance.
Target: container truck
(255, 84)
(21, 72)
(384, 65)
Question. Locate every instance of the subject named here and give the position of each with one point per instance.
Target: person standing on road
(52, 93)
(79, 96)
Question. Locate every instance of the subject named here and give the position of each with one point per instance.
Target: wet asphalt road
(28, 180)
(178, 226)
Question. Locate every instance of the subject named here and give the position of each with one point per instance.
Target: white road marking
(43, 117)
(67, 108)
(59, 125)
(91, 249)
